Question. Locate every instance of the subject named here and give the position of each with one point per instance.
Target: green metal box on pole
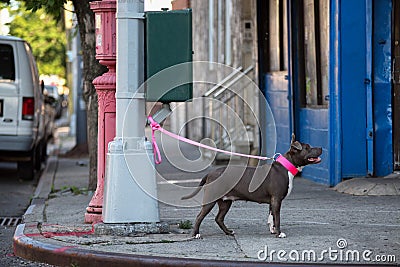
(169, 56)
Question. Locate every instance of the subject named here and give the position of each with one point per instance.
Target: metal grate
(10, 221)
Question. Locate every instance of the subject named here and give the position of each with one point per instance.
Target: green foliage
(75, 190)
(45, 35)
(185, 224)
(53, 7)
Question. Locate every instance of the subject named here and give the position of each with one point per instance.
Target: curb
(42, 192)
(33, 250)
(43, 188)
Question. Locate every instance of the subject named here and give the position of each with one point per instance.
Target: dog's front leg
(276, 214)
(271, 221)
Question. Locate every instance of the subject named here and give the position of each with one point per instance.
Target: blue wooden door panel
(353, 88)
(382, 92)
(276, 93)
(313, 129)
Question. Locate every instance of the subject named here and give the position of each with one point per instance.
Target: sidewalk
(322, 225)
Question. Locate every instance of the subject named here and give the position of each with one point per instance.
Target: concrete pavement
(322, 225)
(370, 186)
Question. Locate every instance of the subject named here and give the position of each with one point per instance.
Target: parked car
(25, 120)
(53, 98)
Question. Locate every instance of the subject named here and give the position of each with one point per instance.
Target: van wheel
(37, 156)
(26, 169)
(43, 154)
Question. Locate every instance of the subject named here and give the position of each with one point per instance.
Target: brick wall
(180, 4)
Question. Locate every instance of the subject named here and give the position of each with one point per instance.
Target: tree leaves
(46, 37)
(53, 7)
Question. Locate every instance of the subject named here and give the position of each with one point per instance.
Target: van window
(7, 70)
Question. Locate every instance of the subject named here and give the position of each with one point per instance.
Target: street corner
(78, 245)
(128, 229)
(103, 237)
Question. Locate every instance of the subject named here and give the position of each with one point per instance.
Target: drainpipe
(335, 114)
(130, 188)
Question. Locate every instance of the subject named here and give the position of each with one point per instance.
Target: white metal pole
(130, 193)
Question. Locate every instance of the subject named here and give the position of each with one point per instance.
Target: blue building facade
(329, 70)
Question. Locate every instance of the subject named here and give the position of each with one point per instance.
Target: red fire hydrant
(105, 85)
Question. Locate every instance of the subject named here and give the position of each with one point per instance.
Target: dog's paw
(197, 236)
(231, 233)
(281, 235)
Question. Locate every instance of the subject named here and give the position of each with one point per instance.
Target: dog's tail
(199, 187)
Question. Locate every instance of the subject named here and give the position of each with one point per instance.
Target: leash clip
(155, 126)
(275, 156)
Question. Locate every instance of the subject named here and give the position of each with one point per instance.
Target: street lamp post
(130, 193)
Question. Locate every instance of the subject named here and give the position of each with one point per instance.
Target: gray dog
(264, 184)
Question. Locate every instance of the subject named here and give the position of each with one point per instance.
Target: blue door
(273, 69)
(382, 85)
(310, 79)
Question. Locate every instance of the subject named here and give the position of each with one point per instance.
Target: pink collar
(287, 164)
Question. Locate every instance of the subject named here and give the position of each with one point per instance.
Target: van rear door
(8, 90)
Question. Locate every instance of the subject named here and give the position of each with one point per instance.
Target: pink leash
(157, 155)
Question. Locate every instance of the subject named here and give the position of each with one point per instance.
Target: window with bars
(313, 52)
(278, 36)
(273, 38)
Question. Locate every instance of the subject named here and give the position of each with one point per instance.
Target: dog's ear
(293, 138)
(296, 145)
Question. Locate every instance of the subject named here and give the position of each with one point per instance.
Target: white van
(23, 133)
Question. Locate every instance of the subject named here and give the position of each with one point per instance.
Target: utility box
(169, 56)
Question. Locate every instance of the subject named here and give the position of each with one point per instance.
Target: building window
(313, 51)
(277, 36)
(273, 38)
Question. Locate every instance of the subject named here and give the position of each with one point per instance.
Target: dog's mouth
(314, 160)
